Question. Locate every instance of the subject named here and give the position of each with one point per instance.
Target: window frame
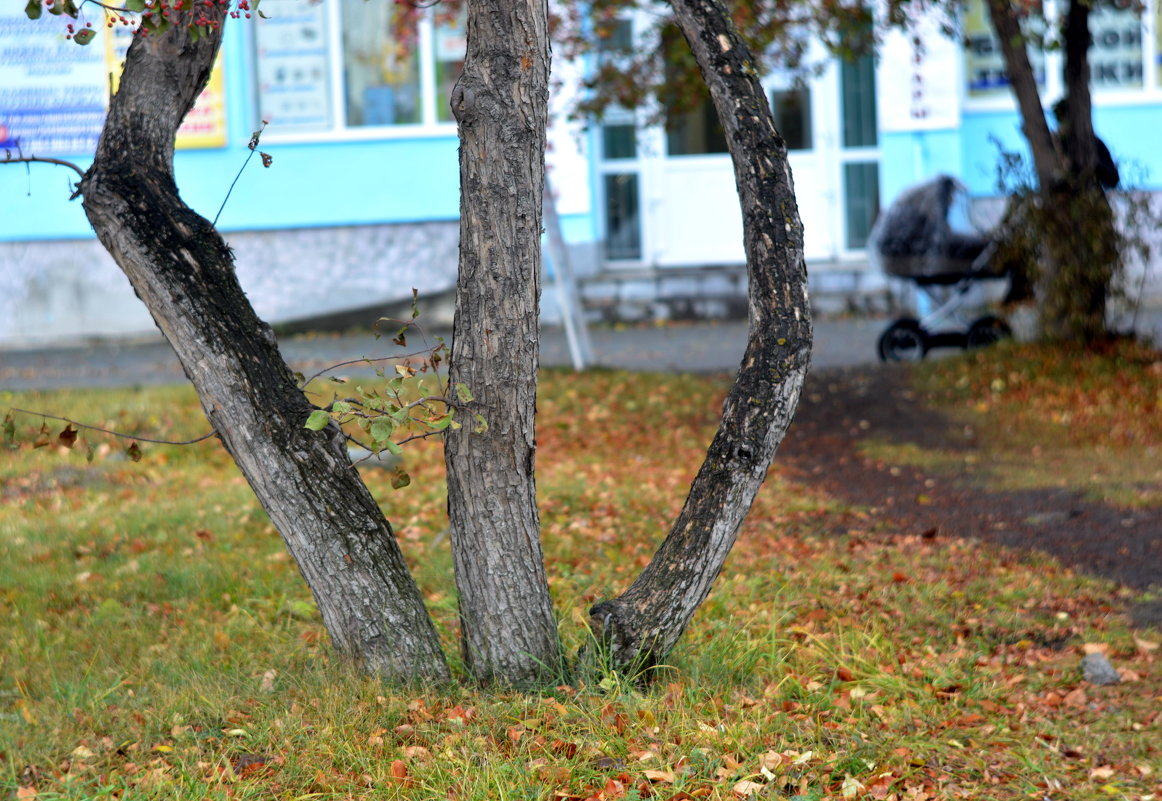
(429, 127)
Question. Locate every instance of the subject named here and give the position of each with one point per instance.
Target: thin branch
(42, 160)
(120, 434)
(306, 382)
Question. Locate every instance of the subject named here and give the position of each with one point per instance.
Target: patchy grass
(1050, 417)
(156, 641)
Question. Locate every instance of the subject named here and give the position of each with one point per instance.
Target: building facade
(360, 203)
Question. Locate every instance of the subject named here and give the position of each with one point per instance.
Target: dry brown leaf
(1096, 648)
(1145, 645)
(1103, 772)
(661, 776)
(1076, 698)
(746, 788)
(23, 793)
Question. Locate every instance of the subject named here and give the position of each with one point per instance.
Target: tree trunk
(183, 270)
(1046, 158)
(508, 631)
(639, 628)
(1073, 219)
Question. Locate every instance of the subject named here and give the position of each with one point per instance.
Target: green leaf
(481, 424)
(84, 36)
(400, 479)
(392, 448)
(134, 5)
(318, 420)
(9, 429)
(34, 9)
(381, 430)
(463, 394)
(341, 407)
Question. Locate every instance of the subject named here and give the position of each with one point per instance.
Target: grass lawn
(157, 642)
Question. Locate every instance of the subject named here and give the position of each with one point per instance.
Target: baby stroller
(914, 240)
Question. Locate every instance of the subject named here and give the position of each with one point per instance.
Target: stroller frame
(920, 247)
(910, 339)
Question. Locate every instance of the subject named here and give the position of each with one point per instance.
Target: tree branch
(120, 434)
(41, 160)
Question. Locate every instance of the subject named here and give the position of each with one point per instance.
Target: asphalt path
(698, 348)
(695, 347)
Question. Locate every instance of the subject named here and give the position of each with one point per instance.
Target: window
(858, 84)
(340, 66)
(1116, 56)
(861, 200)
(792, 112)
(623, 236)
(984, 64)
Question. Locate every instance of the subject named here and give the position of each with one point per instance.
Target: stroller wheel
(988, 330)
(903, 341)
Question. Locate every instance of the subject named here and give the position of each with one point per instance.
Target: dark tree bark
(508, 631)
(1080, 246)
(183, 270)
(639, 627)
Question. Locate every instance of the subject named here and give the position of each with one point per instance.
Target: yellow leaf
(81, 752)
(851, 787)
(163, 749)
(26, 712)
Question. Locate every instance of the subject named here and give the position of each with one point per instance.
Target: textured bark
(183, 270)
(639, 628)
(509, 634)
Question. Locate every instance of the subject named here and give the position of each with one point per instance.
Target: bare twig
(120, 434)
(42, 160)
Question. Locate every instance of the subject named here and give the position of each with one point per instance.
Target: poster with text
(52, 91)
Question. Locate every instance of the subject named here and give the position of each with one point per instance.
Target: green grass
(156, 642)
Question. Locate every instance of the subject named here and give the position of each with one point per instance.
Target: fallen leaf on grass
(747, 787)
(23, 793)
(267, 685)
(661, 776)
(1145, 645)
(1096, 648)
(1103, 772)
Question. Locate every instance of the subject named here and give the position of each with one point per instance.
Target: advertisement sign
(984, 63)
(54, 92)
(294, 88)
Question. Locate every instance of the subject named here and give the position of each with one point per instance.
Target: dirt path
(841, 407)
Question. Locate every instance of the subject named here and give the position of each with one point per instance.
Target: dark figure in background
(1017, 251)
(1105, 170)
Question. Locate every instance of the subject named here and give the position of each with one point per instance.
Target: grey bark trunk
(183, 270)
(508, 631)
(639, 627)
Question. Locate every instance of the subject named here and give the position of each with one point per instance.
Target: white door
(692, 213)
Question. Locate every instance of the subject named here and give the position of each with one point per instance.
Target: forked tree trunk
(508, 631)
(183, 270)
(1073, 219)
(639, 628)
